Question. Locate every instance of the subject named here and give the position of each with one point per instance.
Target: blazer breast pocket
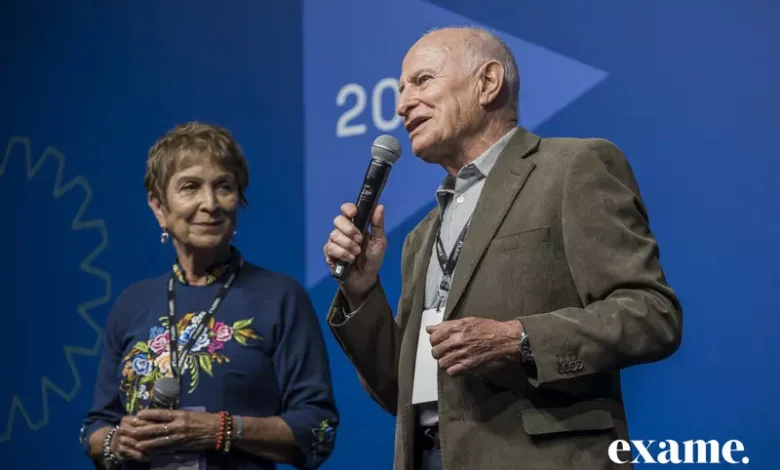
(526, 238)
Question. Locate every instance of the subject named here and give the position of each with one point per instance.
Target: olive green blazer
(560, 240)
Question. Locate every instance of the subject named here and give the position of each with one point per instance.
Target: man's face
(438, 100)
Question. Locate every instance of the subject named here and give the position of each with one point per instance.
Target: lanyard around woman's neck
(179, 354)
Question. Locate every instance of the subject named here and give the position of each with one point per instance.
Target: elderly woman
(218, 363)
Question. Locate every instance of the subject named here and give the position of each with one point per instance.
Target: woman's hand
(125, 443)
(172, 430)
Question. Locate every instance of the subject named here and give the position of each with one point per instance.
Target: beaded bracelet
(228, 432)
(221, 433)
(224, 438)
(111, 458)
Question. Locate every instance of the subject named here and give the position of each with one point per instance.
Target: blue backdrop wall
(687, 89)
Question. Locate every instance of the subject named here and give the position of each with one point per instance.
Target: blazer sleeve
(630, 315)
(371, 337)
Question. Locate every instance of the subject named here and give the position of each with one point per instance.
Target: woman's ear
(157, 208)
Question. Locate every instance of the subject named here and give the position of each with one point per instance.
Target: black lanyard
(447, 263)
(177, 364)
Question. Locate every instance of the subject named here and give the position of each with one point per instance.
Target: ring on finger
(118, 453)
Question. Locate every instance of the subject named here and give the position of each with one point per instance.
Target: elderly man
(511, 360)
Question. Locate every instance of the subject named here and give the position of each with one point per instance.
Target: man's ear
(491, 82)
(157, 209)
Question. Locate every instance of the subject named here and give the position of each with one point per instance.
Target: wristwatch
(524, 348)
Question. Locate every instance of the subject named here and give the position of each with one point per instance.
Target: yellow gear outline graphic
(86, 265)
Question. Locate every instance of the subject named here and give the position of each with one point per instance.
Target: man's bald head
(478, 46)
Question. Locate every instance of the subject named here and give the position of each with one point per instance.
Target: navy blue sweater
(263, 354)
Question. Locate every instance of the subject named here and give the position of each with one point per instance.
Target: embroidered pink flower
(222, 332)
(215, 345)
(159, 343)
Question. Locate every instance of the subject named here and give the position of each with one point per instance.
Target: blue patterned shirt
(261, 355)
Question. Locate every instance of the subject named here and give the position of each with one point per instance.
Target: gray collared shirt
(457, 198)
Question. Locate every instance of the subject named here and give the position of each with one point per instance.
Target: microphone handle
(155, 404)
(373, 184)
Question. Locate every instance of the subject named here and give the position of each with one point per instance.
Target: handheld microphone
(385, 151)
(165, 394)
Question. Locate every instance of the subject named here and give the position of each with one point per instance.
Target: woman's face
(202, 203)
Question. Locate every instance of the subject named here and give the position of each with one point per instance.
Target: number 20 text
(346, 126)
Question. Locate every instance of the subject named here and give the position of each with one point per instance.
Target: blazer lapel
(505, 180)
(423, 260)
(412, 327)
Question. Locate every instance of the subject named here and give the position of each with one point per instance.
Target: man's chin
(422, 150)
(425, 154)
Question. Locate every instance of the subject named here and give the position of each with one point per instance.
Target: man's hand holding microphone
(354, 252)
(365, 254)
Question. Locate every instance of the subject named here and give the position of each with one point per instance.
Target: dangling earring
(235, 232)
(164, 236)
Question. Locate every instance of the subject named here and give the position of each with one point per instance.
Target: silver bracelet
(240, 430)
(111, 458)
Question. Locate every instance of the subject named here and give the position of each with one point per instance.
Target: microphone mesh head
(386, 148)
(166, 391)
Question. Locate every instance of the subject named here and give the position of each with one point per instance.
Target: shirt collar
(474, 171)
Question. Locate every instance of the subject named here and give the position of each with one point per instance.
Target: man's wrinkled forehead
(425, 56)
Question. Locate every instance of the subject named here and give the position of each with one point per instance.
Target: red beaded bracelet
(225, 435)
(221, 434)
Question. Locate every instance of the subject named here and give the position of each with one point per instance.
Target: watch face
(525, 350)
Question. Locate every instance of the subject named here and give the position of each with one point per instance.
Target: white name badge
(425, 388)
(179, 460)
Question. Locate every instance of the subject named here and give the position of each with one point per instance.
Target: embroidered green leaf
(241, 324)
(133, 402)
(219, 358)
(163, 321)
(249, 333)
(146, 379)
(132, 395)
(141, 346)
(193, 367)
(240, 338)
(205, 364)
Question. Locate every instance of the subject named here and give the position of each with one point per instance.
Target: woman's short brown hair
(194, 138)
